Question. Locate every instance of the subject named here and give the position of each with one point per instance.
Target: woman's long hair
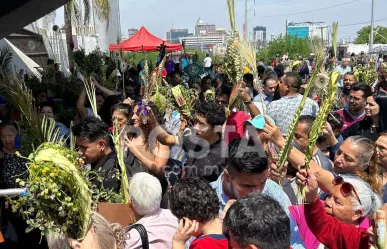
(381, 99)
(150, 142)
(368, 156)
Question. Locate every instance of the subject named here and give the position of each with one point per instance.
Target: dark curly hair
(246, 156)
(194, 199)
(266, 227)
(214, 113)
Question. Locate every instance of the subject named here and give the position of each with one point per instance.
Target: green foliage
(134, 58)
(363, 35)
(291, 44)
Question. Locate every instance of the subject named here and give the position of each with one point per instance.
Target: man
(94, 147)
(342, 70)
(207, 63)
(248, 78)
(269, 86)
(266, 227)
(301, 136)
(169, 65)
(354, 110)
(283, 110)
(234, 126)
(203, 143)
(348, 81)
(247, 171)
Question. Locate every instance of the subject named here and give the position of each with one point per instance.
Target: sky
(158, 16)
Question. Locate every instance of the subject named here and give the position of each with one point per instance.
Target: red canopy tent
(144, 41)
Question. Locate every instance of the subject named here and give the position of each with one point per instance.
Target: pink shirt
(348, 119)
(160, 226)
(235, 126)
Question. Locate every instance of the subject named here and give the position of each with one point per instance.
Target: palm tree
(72, 15)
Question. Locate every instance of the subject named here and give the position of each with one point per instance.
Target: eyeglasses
(346, 188)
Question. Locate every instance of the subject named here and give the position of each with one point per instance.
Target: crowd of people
(209, 179)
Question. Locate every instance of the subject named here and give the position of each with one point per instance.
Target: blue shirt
(273, 190)
(266, 99)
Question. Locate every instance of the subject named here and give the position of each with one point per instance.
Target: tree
(72, 15)
(291, 44)
(363, 35)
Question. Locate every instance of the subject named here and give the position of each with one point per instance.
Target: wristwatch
(248, 102)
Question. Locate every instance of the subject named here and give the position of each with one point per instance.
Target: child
(196, 205)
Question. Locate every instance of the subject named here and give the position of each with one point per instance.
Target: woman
(13, 166)
(350, 209)
(101, 235)
(121, 114)
(375, 121)
(334, 226)
(355, 157)
(144, 152)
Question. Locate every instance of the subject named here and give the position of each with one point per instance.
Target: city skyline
(159, 18)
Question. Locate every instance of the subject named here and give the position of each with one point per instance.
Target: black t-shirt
(108, 169)
(205, 160)
(362, 128)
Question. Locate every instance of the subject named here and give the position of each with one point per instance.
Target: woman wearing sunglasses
(350, 201)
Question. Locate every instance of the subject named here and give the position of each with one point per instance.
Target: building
(205, 43)
(202, 28)
(108, 32)
(132, 32)
(174, 35)
(259, 37)
(309, 29)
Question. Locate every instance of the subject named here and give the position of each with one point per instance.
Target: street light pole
(372, 27)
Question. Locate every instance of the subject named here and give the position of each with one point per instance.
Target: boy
(195, 204)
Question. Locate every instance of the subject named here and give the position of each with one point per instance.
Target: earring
(144, 120)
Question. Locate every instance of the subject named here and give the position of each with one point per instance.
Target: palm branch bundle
(90, 91)
(20, 97)
(185, 99)
(117, 140)
(283, 155)
(50, 131)
(57, 189)
(153, 81)
(318, 124)
(249, 54)
(366, 73)
(233, 65)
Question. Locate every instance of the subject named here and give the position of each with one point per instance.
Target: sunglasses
(346, 187)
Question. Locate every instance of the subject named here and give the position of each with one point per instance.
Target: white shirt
(207, 62)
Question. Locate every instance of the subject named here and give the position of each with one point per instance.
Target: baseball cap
(259, 121)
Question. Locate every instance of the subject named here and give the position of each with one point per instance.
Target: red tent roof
(143, 40)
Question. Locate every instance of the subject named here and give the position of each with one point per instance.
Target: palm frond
(283, 155)
(90, 91)
(49, 19)
(103, 9)
(87, 11)
(50, 131)
(72, 137)
(6, 57)
(318, 124)
(231, 13)
(20, 96)
(117, 140)
(335, 32)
